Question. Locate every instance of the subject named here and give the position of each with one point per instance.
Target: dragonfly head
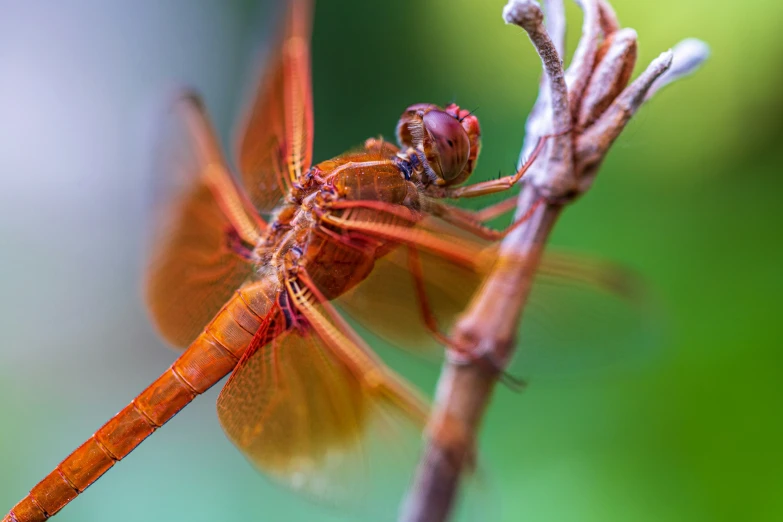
(446, 140)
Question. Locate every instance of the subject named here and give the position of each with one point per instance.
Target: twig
(600, 106)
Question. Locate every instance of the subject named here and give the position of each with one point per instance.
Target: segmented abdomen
(209, 358)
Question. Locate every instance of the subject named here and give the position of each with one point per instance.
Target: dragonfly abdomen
(208, 359)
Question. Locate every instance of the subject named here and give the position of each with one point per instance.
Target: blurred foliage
(688, 197)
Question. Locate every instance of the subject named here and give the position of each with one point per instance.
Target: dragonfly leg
(499, 185)
(455, 352)
(496, 210)
(472, 222)
(427, 314)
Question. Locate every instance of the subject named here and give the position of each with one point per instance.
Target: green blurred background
(688, 196)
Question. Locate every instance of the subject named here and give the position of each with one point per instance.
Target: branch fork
(581, 112)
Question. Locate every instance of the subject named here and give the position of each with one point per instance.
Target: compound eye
(450, 143)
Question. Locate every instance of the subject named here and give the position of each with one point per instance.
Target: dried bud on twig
(608, 79)
(689, 54)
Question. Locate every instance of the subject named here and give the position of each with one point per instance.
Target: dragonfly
(372, 231)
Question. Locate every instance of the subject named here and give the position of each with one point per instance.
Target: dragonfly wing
(586, 314)
(203, 230)
(276, 141)
(303, 415)
(582, 311)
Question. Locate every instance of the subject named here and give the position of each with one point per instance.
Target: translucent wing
(303, 414)
(586, 314)
(276, 141)
(203, 230)
(581, 312)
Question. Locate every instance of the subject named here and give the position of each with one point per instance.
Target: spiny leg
(456, 353)
(468, 222)
(499, 185)
(427, 314)
(473, 222)
(495, 210)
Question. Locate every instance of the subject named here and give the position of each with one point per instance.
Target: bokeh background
(688, 196)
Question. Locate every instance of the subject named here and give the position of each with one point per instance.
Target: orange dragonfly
(252, 298)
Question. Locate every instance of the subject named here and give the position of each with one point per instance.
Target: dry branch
(593, 103)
